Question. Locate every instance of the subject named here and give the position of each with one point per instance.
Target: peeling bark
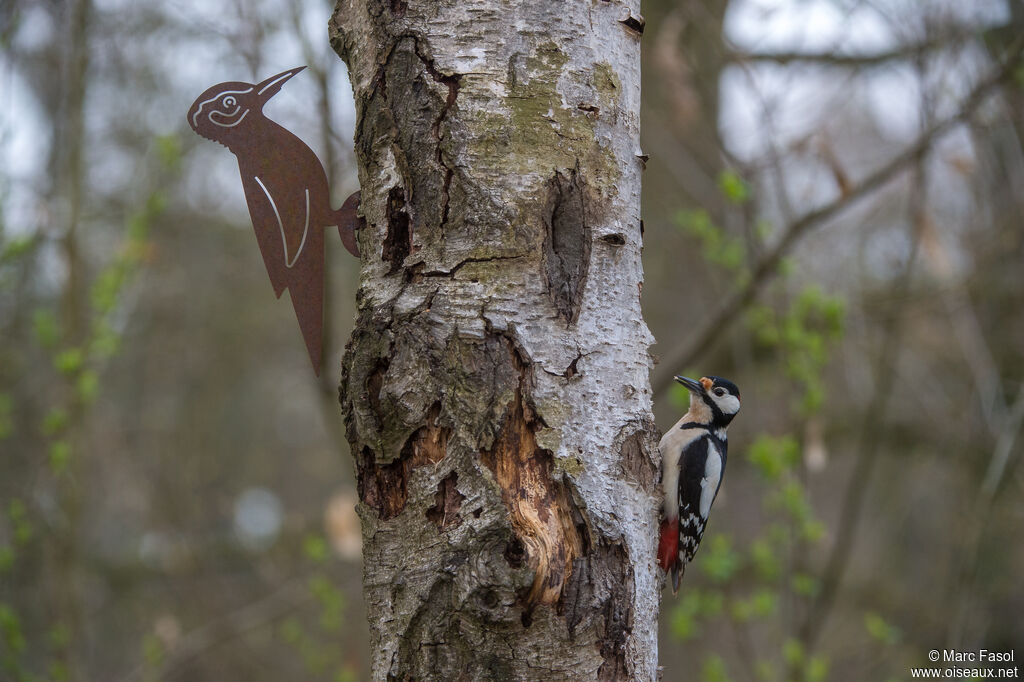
(496, 385)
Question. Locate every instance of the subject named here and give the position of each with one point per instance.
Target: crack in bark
(566, 244)
(572, 370)
(603, 583)
(398, 241)
(445, 513)
(458, 266)
(452, 82)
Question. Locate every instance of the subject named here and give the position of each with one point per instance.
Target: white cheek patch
(712, 477)
(728, 404)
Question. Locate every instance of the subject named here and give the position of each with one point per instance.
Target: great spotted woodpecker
(693, 463)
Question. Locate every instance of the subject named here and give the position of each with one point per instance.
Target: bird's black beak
(694, 386)
(272, 85)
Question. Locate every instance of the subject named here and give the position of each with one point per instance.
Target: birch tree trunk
(496, 387)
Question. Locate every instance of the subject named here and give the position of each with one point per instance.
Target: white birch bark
(496, 388)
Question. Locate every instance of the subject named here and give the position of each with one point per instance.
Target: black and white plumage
(693, 455)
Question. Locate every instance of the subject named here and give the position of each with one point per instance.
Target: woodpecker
(286, 190)
(693, 463)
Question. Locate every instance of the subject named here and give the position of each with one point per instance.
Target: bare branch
(908, 52)
(236, 624)
(767, 267)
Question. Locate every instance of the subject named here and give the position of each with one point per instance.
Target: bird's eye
(229, 101)
(719, 392)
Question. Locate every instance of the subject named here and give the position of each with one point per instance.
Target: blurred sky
(796, 98)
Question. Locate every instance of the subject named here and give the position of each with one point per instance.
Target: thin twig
(197, 642)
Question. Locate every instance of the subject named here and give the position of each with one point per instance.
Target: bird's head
(713, 400)
(223, 111)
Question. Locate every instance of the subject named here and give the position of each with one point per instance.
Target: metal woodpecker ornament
(286, 190)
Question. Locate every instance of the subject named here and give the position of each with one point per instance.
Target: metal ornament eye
(229, 101)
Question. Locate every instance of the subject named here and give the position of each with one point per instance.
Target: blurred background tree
(833, 219)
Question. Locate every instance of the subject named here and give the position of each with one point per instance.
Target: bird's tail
(306, 289)
(348, 222)
(668, 551)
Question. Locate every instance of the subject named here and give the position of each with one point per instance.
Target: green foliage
(46, 328)
(714, 669)
(315, 548)
(331, 601)
(67, 354)
(719, 561)
(59, 456)
(879, 629)
(55, 421)
(774, 456)
(717, 247)
(17, 249)
(746, 585)
(733, 187)
(684, 618)
(69, 361)
(17, 514)
(801, 336)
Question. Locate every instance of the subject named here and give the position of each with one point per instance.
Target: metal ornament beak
(694, 386)
(272, 85)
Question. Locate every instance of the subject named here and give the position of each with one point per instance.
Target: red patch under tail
(668, 546)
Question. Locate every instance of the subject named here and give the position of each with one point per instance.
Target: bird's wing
(290, 206)
(292, 250)
(694, 503)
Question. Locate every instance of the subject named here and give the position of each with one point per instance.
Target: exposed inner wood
(385, 487)
(540, 507)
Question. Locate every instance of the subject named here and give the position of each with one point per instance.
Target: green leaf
(805, 585)
(733, 187)
(107, 287)
(168, 150)
(56, 420)
(16, 248)
(332, 603)
(58, 671)
(817, 669)
(683, 619)
(10, 630)
(880, 629)
(152, 650)
(315, 548)
(60, 455)
(105, 341)
(765, 560)
(45, 327)
(69, 361)
(6, 558)
(764, 602)
(59, 636)
(772, 456)
(793, 653)
(291, 630)
(87, 386)
(721, 561)
(18, 515)
(696, 223)
(714, 669)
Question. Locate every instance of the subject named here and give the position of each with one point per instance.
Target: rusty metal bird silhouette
(286, 190)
